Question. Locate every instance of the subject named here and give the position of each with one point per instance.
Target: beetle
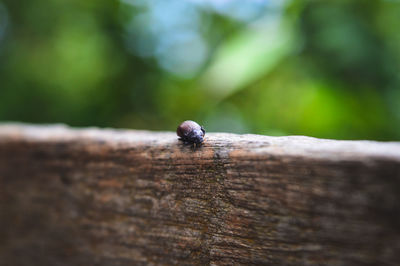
(190, 132)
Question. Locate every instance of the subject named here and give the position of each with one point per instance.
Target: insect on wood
(191, 133)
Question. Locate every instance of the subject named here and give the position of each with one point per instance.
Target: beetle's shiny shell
(186, 127)
(190, 131)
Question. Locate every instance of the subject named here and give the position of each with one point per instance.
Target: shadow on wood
(109, 197)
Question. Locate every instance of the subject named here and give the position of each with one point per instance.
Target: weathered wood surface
(108, 197)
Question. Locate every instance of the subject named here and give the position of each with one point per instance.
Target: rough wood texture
(108, 197)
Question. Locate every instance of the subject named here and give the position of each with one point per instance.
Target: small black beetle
(191, 132)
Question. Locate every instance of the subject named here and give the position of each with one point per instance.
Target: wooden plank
(120, 197)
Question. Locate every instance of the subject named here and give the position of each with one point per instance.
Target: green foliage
(325, 69)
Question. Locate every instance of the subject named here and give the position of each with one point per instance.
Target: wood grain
(119, 197)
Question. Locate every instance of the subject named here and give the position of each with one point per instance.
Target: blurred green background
(319, 68)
